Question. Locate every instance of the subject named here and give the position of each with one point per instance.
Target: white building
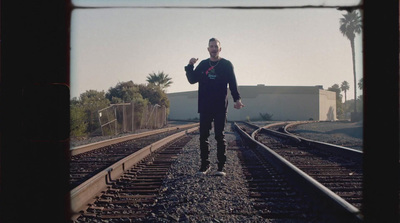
(282, 102)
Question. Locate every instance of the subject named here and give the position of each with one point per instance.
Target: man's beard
(214, 54)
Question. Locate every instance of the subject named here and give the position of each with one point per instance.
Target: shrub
(84, 117)
(78, 121)
(266, 116)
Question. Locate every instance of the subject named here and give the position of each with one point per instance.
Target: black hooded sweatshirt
(213, 78)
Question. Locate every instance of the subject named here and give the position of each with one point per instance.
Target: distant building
(282, 102)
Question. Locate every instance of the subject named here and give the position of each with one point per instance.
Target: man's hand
(193, 61)
(238, 104)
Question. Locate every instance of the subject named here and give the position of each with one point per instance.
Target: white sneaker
(204, 170)
(220, 173)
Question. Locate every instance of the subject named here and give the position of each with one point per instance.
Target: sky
(287, 47)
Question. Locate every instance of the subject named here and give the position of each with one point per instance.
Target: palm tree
(344, 87)
(350, 25)
(160, 79)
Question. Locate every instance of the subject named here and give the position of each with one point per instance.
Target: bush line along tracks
(297, 177)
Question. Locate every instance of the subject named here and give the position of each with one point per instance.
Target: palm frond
(160, 79)
(350, 25)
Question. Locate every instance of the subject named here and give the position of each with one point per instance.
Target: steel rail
(89, 147)
(85, 193)
(275, 124)
(253, 134)
(296, 123)
(258, 128)
(287, 123)
(314, 189)
(340, 150)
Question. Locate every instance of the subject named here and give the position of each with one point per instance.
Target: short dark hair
(214, 39)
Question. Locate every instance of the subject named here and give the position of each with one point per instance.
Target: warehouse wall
(283, 102)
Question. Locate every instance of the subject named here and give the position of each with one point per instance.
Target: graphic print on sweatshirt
(211, 73)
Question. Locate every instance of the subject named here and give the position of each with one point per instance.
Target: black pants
(205, 126)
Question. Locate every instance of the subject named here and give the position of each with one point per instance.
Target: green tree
(128, 91)
(141, 94)
(160, 79)
(78, 122)
(339, 104)
(83, 111)
(84, 116)
(344, 87)
(124, 92)
(92, 101)
(359, 103)
(154, 94)
(350, 25)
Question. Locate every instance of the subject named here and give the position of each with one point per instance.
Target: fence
(128, 117)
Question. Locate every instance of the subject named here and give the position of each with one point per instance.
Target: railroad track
(341, 174)
(128, 189)
(98, 167)
(321, 169)
(86, 161)
(336, 167)
(133, 195)
(274, 197)
(291, 129)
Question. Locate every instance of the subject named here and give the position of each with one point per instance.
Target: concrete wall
(327, 105)
(283, 102)
(183, 105)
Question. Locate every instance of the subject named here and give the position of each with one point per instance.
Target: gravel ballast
(190, 197)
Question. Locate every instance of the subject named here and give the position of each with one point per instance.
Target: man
(213, 76)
